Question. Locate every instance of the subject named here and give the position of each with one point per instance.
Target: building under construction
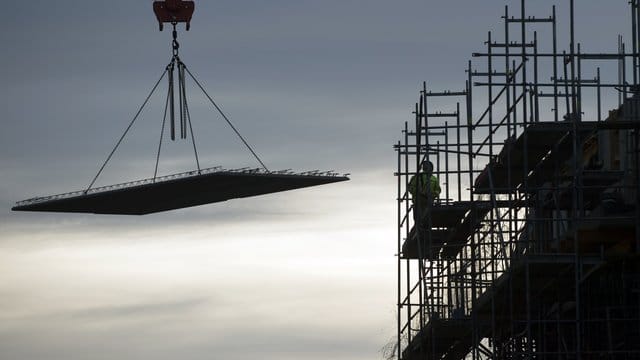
(532, 249)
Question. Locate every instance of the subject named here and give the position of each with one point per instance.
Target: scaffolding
(532, 249)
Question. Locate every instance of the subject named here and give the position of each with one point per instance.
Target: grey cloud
(294, 343)
(238, 341)
(142, 310)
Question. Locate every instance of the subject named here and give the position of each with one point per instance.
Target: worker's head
(427, 166)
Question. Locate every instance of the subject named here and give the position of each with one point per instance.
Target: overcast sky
(310, 84)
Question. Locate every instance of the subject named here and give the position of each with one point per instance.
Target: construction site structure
(532, 250)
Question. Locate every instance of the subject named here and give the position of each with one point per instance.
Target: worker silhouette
(424, 189)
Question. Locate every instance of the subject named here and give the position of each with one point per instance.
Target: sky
(310, 84)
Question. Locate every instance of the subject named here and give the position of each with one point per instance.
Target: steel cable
(127, 130)
(226, 118)
(188, 115)
(164, 120)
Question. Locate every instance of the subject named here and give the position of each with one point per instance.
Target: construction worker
(424, 188)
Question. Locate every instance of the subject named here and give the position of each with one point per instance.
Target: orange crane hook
(174, 12)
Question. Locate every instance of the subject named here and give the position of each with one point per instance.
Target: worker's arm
(435, 187)
(412, 186)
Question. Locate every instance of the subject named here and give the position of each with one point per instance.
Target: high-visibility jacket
(423, 186)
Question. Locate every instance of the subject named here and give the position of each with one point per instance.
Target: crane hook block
(173, 11)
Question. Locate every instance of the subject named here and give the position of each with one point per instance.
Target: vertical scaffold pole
(556, 110)
(400, 200)
(634, 34)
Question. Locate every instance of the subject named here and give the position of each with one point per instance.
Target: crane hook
(174, 12)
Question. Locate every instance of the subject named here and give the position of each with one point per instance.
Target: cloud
(132, 312)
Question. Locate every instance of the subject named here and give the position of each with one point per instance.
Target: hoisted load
(177, 191)
(198, 187)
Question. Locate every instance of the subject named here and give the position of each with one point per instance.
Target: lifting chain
(176, 45)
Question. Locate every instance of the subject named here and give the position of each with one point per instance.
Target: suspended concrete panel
(177, 191)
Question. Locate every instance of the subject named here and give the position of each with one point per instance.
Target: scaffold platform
(452, 224)
(536, 153)
(439, 337)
